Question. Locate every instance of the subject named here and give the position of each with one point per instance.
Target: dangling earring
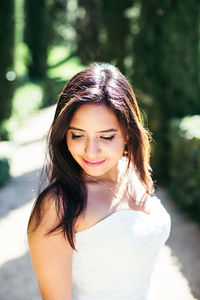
(125, 150)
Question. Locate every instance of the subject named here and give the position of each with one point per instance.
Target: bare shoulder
(48, 216)
(51, 254)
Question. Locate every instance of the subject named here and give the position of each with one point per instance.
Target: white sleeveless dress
(115, 257)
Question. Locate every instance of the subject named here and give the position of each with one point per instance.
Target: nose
(92, 148)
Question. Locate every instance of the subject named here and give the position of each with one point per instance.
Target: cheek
(74, 147)
(117, 148)
(70, 144)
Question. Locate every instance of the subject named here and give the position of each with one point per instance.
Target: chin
(94, 172)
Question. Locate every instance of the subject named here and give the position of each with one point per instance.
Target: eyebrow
(102, 131)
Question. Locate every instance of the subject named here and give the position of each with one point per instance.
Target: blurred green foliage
(61, 67)
(21, 51)
(30, 96)
(37, 34)
(7, 76)
(103, 32)
(166, 68)
(5, 170)
(27, 99)
(68, 67)
(184, 163)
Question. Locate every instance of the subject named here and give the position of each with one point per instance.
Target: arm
(51, 257)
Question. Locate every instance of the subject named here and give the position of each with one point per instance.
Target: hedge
(184, 163)
(7, 82)
(166, 65)
(4, 170)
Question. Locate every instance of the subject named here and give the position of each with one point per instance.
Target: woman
(96, 229)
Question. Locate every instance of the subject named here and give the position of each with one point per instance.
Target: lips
(93, 164)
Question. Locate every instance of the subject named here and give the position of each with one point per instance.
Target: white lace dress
(115, 257)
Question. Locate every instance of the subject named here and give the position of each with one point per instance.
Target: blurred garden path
(177, 269)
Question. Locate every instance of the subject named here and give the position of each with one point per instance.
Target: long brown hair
(101, 83)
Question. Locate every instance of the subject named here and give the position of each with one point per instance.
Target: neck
(106, 178)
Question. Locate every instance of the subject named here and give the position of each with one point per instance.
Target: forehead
(94, 116)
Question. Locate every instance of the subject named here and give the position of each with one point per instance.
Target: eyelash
(75, 136)
(109, 138)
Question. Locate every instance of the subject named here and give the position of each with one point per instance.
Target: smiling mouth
(93, 164)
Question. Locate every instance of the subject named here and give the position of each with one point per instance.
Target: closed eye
(109, 138)
(76, 136)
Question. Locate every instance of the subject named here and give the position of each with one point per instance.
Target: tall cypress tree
(6, 58)
(37, 35)
(167, 66)
(58, 12)
(102, 31)
(88, 26)
(117, 30)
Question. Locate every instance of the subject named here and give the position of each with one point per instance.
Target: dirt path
(177, 268)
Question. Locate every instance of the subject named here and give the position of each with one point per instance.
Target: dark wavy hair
(101, 83)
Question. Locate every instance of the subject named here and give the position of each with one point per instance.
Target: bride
(96, 228)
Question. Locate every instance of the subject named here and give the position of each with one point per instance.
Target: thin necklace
(107, 186)
(111, 189)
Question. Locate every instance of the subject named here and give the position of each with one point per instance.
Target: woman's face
(95, 140)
